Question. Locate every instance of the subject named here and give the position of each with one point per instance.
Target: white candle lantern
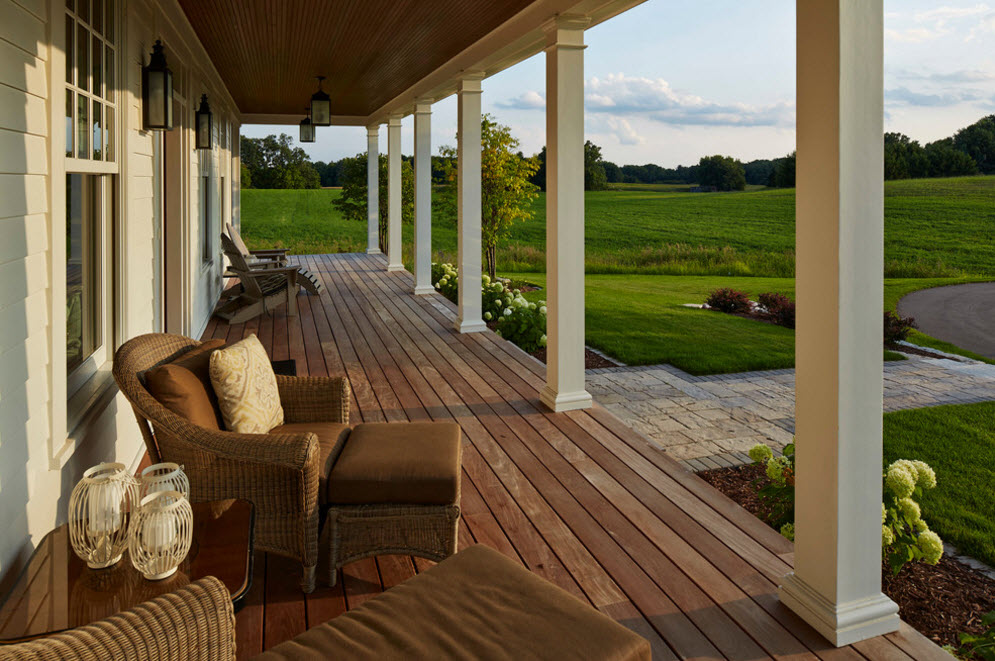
(98, 514)
(161, 534)
(166, 476)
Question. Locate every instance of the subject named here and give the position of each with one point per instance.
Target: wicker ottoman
(395, 489)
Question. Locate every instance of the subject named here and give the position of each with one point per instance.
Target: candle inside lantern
(104, 507)
(159, 531)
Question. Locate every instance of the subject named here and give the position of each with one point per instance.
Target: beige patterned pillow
(245, 384)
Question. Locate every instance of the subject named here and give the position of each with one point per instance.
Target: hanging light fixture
(157, 92)
(321, 106)
(307, 128)
(204, 123)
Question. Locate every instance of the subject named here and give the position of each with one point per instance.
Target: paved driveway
(960, 314)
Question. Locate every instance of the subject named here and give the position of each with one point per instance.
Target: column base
(373, 251)
(469, 326)
(421, 290)
(395, 267)
(565, 401)
(840, 624)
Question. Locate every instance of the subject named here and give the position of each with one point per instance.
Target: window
(91, 80)
(205, 219)
(83, 268)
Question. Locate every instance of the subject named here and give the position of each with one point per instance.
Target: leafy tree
(245, 177)
(784, 172)
(538, 178)
(978, 142)
(723, 172)
(946, 161)
(594, 168)
(904, 158)
(613, 173)
(353, 201)
(758, 172)
(273, 163)
(506, 187)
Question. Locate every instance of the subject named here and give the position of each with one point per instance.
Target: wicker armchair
(194, 623)
(279, 473)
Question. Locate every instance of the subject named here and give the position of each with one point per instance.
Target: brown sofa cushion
(184, 386)
(477, 604)
(415, 463)
(331, 437)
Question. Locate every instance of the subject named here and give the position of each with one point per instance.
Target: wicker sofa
(281, 473)
(477, 605)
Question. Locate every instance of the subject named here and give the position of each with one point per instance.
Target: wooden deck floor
(578, 498)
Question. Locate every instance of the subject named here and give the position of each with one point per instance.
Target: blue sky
(670, 81)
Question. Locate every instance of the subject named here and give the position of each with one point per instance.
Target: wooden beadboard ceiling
(269, 51)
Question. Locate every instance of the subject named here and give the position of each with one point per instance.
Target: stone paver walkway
(712, 421)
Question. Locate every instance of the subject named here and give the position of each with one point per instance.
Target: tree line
(273, 162)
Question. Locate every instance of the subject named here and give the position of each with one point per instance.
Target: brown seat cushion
(477, 604)
(415, 463)
(331, 437)
(184, 386)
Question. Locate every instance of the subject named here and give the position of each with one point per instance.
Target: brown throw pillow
(184, 386)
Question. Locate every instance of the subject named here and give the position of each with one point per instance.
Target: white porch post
(836, 585)
(468, 203)
(373, 189)
(423, 198)
(565, 387)
(394, 262)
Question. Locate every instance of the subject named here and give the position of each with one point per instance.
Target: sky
(670, 81)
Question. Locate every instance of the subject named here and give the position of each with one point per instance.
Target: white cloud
(958, 77)
(939, 22)
(905, 96)
(530, 100)
(617, 127)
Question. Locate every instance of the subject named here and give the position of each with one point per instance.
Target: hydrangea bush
(905, 536)
(517, 319)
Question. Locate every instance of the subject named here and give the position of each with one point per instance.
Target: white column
(423, 199)
(565, 387)
(836, 585)
(394, 262)
(373, 189)
(468, 203)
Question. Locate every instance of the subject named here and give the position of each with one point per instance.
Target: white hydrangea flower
(542, 341)
(921, 526)
(910, 509)
(775, 469)
(884, 513)
(760, 453)
(788, 531)
(900, 480)
(931, 546)
(542, 310)
(507, 312)
(925, 476)
(485, 279)
(887, 536)
(487, 316)
(498, 302)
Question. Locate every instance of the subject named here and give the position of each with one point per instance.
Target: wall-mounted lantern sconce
(307, 128)
(204, 123)
(321, 106)
(157, 92)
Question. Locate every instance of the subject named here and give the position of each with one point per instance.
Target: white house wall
(40, 458)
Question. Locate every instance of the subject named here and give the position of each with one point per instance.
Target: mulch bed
(591, 359)
(939, 601)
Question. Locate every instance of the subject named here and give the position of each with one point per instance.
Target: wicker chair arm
(314, 398)
(195, 622)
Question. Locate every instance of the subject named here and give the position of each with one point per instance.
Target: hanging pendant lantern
(204, 123)
(307, 128)
(321, 106)
(157, 92)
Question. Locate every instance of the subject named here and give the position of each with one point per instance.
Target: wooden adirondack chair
(260, 290)
(268, 259)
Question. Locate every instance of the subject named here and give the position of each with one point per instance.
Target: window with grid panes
(91, 80)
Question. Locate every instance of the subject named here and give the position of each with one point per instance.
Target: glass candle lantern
(161, 534)
(166, 476)
(99, 509)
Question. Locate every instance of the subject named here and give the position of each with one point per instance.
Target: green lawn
(933, 228)
(959, 443)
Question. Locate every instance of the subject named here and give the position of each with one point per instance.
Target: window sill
(82, 409)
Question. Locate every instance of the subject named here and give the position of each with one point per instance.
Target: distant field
(933, 228)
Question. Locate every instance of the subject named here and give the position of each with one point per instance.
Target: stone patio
(712, 421)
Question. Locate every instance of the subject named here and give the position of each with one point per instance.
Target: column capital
(423, 107)
(469, 82)
(393, 121)
(566, 31)
(373, 131)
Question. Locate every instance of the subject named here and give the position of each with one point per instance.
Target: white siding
(39, 465)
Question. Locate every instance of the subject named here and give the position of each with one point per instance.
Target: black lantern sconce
(204, 123)
(321, 106)
(307, 128)
(157, 92)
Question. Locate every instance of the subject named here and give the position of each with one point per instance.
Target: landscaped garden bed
(940, 601)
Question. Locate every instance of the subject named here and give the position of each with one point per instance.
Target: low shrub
(778, 309)
(978, 647)
(777, 496)
(446, 279)
(728, 300)
(897, 327)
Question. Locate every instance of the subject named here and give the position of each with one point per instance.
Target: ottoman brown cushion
(331, 439)
(477, 604)
(416, 463)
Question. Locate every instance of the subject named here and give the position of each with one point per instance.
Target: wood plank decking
(578, 498)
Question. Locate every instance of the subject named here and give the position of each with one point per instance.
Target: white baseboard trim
(421, 290)
(471, 326)
(395, 267)
(565, 401)
(840, 624)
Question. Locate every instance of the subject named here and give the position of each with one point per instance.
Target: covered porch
(576, 497)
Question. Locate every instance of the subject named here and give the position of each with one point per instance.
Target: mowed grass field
(933, 228)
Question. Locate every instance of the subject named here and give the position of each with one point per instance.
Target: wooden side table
(57, 591)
